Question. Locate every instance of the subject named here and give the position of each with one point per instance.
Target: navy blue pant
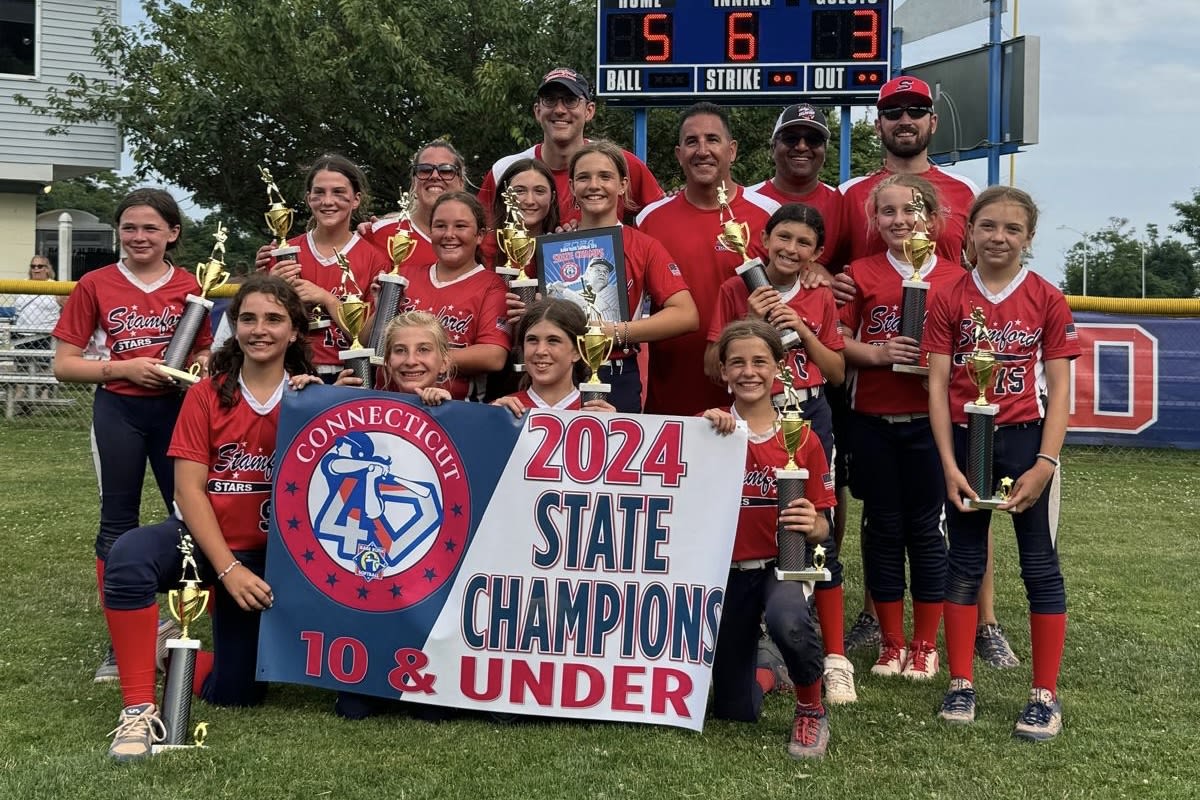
(1016, 450)
(898, 475)
(736, 695)
(126, 431)
(146, 562)
(626, 382)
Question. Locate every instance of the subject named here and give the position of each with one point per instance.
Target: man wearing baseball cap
(563, 106)
(798, 148)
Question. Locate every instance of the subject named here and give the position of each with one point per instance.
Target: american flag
(1070, 331)
(827, 480)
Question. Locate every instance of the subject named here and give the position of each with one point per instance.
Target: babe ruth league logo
(373, 504)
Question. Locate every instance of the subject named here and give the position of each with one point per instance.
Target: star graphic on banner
(362, 593)
(396, 590)
(430, 574)
(309, 555)
(235, 475)
(293, 524)
(332, 579)
(456, 510)
(451, 545)
(292, 488)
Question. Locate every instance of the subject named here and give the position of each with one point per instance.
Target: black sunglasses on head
(425, 171)
(914, 112)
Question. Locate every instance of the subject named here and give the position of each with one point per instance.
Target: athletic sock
(891, 621)
(135, 642)
(927, 617)
(810, 694)
(829, 614)
(204, 665)
(1047, 634)
(960, 638)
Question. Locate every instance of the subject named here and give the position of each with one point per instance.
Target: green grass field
(1130, 684)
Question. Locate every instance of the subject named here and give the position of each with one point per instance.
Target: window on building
(18, 34)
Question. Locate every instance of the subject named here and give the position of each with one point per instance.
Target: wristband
(221, 575)
(1051, 459)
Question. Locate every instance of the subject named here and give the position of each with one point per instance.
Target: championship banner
(563, 565)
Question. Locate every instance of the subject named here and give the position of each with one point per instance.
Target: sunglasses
(914, 112)
(569, 101)
(791, 139)
(39, 266)
(445, 171)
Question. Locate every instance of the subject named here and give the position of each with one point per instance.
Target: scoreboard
(741, 52)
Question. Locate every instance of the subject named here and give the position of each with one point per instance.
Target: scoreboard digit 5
(742, 51)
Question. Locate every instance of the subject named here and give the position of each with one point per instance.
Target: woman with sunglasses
(437, 168)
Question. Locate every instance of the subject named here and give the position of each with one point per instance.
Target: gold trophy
(518, 246)
(918, 247)
(734, 237)
(353, 313)
(279, 219)
(798, 560)
(186, 605)
(595, 346)
(981, 420)
(400, 246)
(210, 274)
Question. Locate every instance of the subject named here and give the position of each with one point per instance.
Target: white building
(41, 43)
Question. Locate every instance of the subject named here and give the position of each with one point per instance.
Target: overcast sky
(1120, 92)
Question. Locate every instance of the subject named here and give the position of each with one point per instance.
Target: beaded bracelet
(221, 575)
(1051, 459)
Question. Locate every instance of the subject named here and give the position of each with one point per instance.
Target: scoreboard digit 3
(742, 52)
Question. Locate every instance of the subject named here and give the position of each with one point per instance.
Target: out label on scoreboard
(742, 51)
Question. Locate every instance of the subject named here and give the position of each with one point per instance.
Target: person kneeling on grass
(750, 352)
(235, 409)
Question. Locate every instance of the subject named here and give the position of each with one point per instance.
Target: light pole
(1086, 248)
(1143, 244)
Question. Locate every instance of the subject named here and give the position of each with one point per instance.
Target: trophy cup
(981, 421)
(400, 246)
(186, 605)
(518, 246)
(798, 560)
(733, 237)
(279, 219)
(210, 275)
(595, 346)
(353, 313)
(918, 247)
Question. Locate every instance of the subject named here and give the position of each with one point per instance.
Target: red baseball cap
(904, 91)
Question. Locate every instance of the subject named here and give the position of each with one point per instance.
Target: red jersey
(676, 383)
(824, 198)
(530, 399)
(955, 193)
(383, 229)
(471, 309)
(643, 187)
(365, 263)
(873, 317)
(1030, 323)
(815, 306)
(126, 319)
(238, 447)
(757, 520)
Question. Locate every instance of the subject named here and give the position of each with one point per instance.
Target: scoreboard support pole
(993, 159)
(641, 144)
(844, 145)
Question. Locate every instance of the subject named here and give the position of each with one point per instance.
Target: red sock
(135, 641)
(204, 665)
(829, 612)
(891, 621)
(100, 579)
(1047, 634)
(809, 695)
(960, 638)
(927, 617)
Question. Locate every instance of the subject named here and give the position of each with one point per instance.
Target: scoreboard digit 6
(742, 52)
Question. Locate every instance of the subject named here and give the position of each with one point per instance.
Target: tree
(1189, 219)
(99, 194)
(1114, 258)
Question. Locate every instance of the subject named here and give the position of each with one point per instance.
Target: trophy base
(155, 749)
(518, 367)
(376, 361)
(790, 338)
(508, 273)
(749, 264)
(204, 301)
(362, 352)
(594, 391)
(911, 369)
(182, 377)
(318, 324)
(810, 574)
(986, 503)
(284, 254)
(393, 277)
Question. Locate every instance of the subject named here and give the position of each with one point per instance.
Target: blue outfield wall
(1137, 383)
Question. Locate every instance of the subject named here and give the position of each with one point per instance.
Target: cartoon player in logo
(375, 518)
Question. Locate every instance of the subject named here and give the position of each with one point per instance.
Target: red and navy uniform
(1030, 324)
(752, 591)
(531, 399)
(384, 229)
(826, 199)
(366, 262)
(677, 383)
(471, 308)
(125, 318)
(238, 446)
(859, 239)
(895, 468)
(643, 187)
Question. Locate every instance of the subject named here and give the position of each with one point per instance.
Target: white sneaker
(891, 661)
(137, 731)
(839, 680)
(922, 661)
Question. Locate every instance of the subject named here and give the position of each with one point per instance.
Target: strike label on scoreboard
(743, 51)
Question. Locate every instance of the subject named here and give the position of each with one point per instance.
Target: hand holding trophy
(734, 237)
(186, 605)
(210, 274)
(917, 249)
(353, 313)
(400, 246)
(798, 560)
(981, 420)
